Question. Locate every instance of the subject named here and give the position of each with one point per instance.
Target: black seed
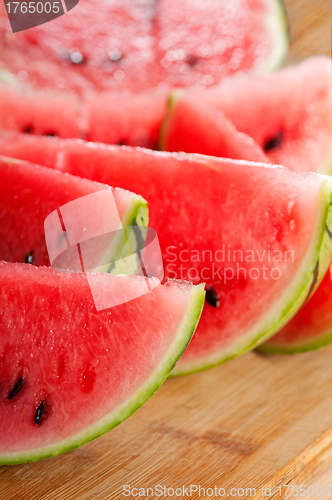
(28, 129)
(121, 143)
(274, 142)
(41, 413)
(28, 258)
(211, 297)
(50, 134)
(17, 388)
(192, 60)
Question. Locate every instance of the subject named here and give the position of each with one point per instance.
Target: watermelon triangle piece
(287, 113)
(69, 373)
(31, 198)
(195, 127)
(202, 208)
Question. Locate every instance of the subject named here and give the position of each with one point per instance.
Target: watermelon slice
(29, 194)
(42, 112)
(268, 218)
(194, 127)
(135, 44)
(69, 373)
(311, 328)
(110, 117)
(288, 113)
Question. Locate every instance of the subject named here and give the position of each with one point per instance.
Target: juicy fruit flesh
(288, 113)
(65, 367)
(29, 194)
(147, 43)
(280, 221)
(311, 327)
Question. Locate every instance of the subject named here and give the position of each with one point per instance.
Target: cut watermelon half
(270, 216)
(130, 44)
(288, 113)
(195, 127)
(69, 373)
(310, 329)
(31, 195)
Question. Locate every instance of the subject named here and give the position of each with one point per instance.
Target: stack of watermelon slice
(252, 237)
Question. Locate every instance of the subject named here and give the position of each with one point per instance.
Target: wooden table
(256, 421)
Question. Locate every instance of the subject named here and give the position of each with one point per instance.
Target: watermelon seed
(192, 60)
(17, 388)
(211, 297)
(28, 129)
(121, 143)
(50, 134)
(41, 413)
(274, 142)
(28, 258)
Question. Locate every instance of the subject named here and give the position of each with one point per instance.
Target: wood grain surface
(258, 421)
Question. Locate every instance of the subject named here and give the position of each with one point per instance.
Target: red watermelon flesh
(139, 44)
(125, 118)
(194, 127)
(69, 373)
(288, 113)
(311, 327)
(42, 112)
(233, 205)
(118, 117)
(29, 194)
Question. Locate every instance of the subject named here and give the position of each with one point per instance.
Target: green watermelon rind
(321, 250)
(137, 213)
(323, 339)
(278, 25)
(319, 342)
(181, 340)
(327, 168)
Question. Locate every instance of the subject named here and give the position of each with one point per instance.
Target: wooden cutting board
(258, 421)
